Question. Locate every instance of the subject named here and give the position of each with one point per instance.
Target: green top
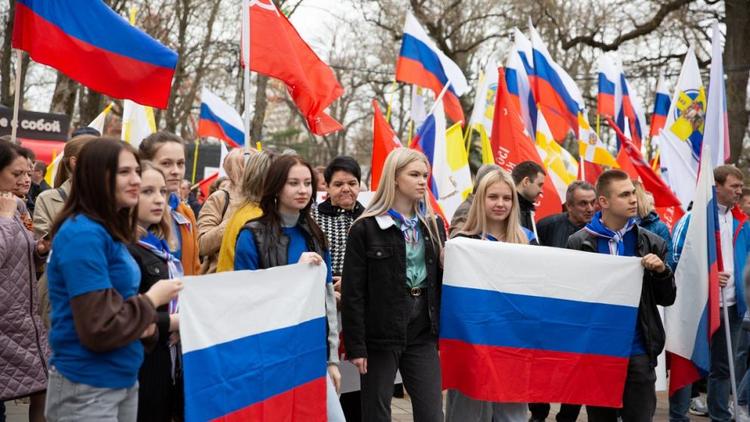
(416, 270)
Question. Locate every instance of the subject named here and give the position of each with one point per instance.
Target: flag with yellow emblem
(590, 147)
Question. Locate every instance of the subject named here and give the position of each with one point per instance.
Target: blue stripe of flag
(605, 85)
(501, 319)
(662, 103)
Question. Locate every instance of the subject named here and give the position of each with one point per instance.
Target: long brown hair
(93, 190)
(72, 149)
(275, 181)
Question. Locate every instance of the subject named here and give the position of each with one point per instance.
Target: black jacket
(160, 398)
(555, 230)
(525, 208)
(658, 289)
(375, 299)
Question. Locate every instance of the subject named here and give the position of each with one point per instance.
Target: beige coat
(211, 226)
(48, 205)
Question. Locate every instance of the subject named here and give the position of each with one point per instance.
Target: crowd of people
(91, 270)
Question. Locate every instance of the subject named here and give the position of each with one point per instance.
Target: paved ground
(17, 412)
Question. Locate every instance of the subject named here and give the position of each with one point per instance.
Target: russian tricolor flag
(421, 63)
(518, 67)
(219, 120)
(609, 97)
(254, 345)
(630, 116)
(555, 92)
(512, 330)
(661, 107)
(89, 42)
(694, 317)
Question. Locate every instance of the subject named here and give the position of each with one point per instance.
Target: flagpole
(16, 97)
(195, 160)
(730, 355)
(725, 309)
(246, 81)
(394, 87)
(467, 138)
(439, 97)
(583, 168)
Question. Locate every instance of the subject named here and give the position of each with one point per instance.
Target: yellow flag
(590, 147)
(49, 177)
(458, 159)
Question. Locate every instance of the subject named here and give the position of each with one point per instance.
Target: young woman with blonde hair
(218, 210)
(391, 291)
(494, 215)
(253, 178)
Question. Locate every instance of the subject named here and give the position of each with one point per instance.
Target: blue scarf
(409, 226)
(614, 241)
(174, 201)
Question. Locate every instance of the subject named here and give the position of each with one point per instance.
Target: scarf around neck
(615, 239)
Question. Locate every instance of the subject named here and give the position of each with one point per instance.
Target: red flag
(623, 159)
(670, 215)
(663, 195)
(277, 50)
(591, 171)
(384, 140)
(511, 144)
(205, 184)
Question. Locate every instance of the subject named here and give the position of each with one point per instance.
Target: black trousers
(419, 364)
(639, 397)
(567, 413)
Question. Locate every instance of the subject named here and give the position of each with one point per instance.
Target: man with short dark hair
(734, 232)
(580, 202)
(529, 179)
(38, 184)
(554, 231)
(614, 231)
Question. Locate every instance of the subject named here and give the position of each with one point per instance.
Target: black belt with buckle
(415, 291)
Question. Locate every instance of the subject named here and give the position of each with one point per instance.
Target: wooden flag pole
(16, 97)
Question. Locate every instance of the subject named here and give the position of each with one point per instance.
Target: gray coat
(23, 340)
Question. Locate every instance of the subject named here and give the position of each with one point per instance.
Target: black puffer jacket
(375, 298)
(658, 289)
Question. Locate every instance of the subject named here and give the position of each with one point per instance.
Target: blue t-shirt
(86, 258)
(246, 254)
